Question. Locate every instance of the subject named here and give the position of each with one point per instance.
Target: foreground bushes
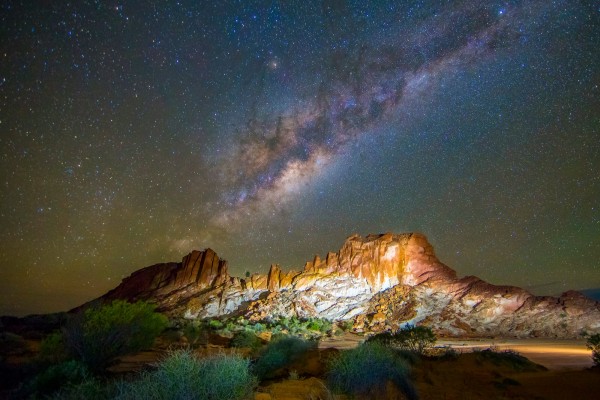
(55, 377)
(366, 370)
(181, 376)
(279, 353)
(98, 335)
(417, 339)
(184, 376)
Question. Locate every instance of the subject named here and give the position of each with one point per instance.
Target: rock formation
(379, 282)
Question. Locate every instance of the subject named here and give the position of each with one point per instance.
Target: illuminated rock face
(379, 282)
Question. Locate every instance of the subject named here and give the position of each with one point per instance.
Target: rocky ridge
(379, 282)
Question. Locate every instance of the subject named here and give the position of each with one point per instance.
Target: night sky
(134, 132)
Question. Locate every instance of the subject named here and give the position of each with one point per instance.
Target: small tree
(98, 335)
(415, 338)
(593, 343)
(412, 338)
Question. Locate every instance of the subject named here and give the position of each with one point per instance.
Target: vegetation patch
(418, 339)
(184, 376)
(508, 358)
(100, 334)
(12, 344)
(196, 333)
(593, 344)
(246, 339)
(55, 377)
(366, 371)
(280, 353)
(89, 389)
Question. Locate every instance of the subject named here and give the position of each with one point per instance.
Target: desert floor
(554, 354)
(567, 373)
(568, 376)
(557, 354)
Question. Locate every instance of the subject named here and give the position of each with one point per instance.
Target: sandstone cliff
(379, 282)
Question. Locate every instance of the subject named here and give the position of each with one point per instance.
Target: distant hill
(378, 283)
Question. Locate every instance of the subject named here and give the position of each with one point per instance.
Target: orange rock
(391, 278)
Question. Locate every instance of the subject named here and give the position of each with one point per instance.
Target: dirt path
(554, 354)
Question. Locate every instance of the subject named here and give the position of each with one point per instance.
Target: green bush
(279, 353)
(305, 327)
(195, 333)
(215, 324)
(98, 335)
(318, 324)
(246, 339)
(508, 358)
(347, 325)
(11, 343)
(184, 376)
(57, 376)
(412, 338)
(88, 389)
(593, 343)
(53, 349)
(366, 370)
(448, 353)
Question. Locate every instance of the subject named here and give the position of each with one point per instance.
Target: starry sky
(133, 132)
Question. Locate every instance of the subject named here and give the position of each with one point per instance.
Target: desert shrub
(231, 326)
(57, 376)
(448, 353)
(279, 353)
(215, 324)
(98, 335)
(172, 335)
(304, 327)
(88, 389)
(11, 343)
(366, 370)
(383, 338)
(195, 333)
(184, 376)
(412, 338)
(53, 349)
(347, 325)
(508, 358)
(246, 339)
(318, 324)
(593, 343)
(276, 330)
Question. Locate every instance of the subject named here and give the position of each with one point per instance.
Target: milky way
(277, 155)
(269, 131)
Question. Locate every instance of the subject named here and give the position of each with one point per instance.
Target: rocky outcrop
(379, 282)
(197, 271)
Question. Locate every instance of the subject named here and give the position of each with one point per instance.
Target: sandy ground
(554, 354)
